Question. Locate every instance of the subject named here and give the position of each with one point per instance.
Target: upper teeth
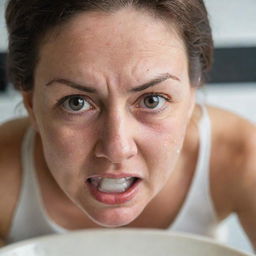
(112, 185)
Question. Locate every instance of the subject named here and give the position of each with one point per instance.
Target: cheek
(65, 146)
(162, 146)
(66, 154)
(66, 150)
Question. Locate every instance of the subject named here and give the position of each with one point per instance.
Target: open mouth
(113, 185)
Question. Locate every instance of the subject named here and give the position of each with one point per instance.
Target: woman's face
(111, 103)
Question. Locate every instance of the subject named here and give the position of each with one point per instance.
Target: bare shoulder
(11, 134)
(233, 136)
(233, 147)
(2, 243)
(224, 120)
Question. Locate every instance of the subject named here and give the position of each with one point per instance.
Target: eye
(75, 103)
(154, 101)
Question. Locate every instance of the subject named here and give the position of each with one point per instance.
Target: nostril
(115, 153)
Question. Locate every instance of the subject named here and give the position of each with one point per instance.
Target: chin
(114, 217)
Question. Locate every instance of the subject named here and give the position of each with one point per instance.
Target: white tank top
(197, 214)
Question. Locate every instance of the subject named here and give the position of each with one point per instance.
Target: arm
(244, 189)
(2, 243)
(11, 134)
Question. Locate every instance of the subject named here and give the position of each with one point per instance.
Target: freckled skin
(127, 49)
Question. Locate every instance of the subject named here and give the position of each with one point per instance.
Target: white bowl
(119, 242)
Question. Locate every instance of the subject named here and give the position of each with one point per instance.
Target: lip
(114, 198)
(115, 176)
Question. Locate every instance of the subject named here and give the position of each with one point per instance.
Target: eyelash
(68, 97)
(157, 94)
(89, 101)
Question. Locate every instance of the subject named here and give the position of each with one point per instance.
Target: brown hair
(29, 20)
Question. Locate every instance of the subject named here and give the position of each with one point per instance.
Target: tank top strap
(205, 135)
(29, 207)
(197, 215)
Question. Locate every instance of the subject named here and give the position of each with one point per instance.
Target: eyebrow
(159, 79)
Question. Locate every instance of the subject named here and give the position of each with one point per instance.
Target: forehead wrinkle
(89, 46)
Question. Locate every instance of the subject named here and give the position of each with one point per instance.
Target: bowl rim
(143, 231)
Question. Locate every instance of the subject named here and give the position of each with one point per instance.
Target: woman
(114, 136)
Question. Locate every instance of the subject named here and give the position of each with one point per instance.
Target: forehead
(113, 40)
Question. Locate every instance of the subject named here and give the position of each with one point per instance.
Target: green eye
(151, 101)
(76, 104)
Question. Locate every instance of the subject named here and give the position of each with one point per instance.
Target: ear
(28, 103)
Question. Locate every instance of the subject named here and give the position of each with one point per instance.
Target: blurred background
(232, 83)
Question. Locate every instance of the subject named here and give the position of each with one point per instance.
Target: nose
(116, 142)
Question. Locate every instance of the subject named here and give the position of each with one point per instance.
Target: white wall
(233, 22)
(3, 33)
